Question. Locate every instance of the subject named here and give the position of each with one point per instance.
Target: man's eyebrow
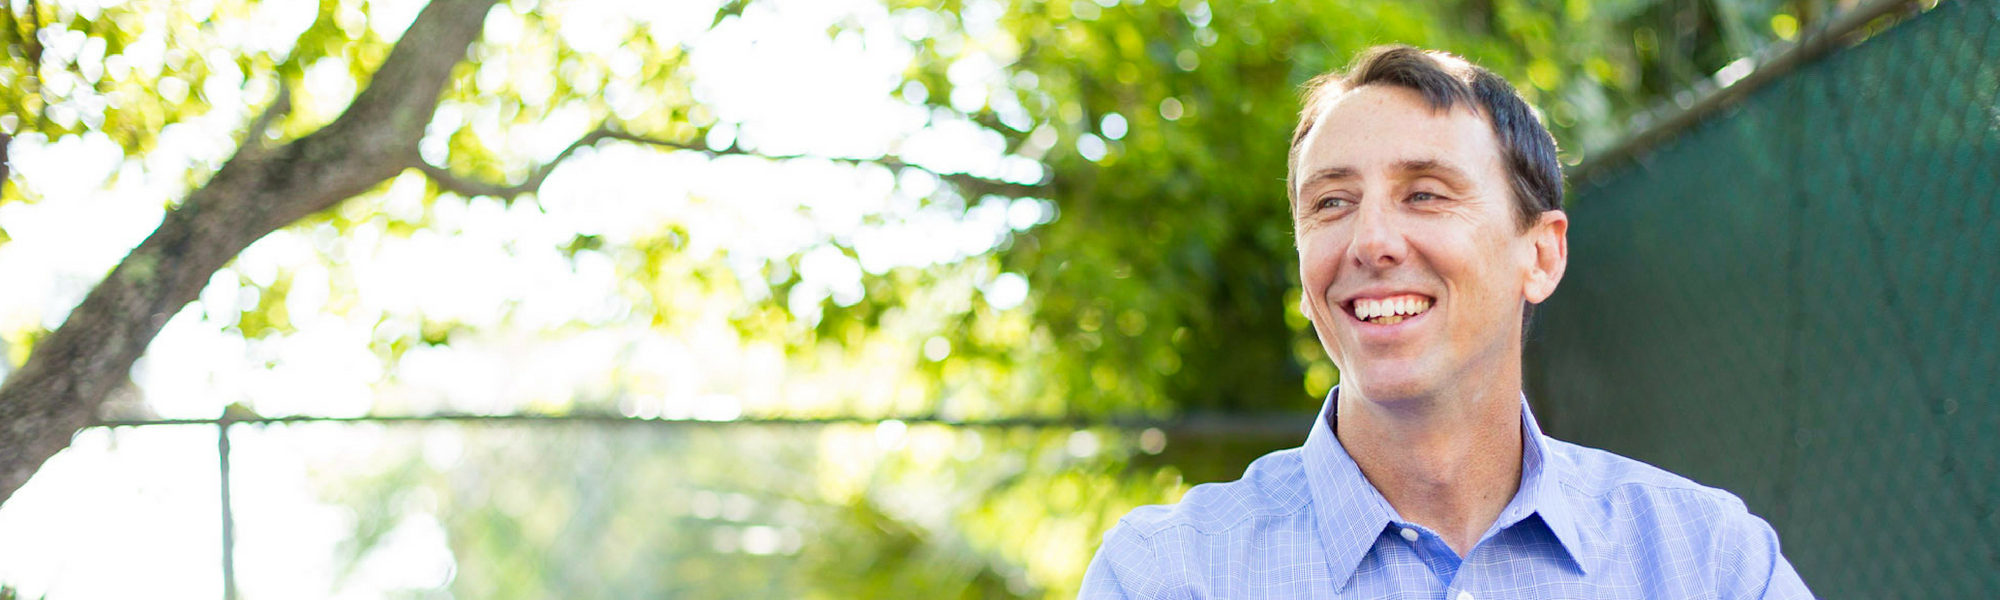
(1430, 166)
(1329, 174)
(1406, 167)
(1332, 173)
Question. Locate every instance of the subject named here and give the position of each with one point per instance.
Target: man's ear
(1550, 236)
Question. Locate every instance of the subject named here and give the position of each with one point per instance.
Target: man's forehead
(1381, 127)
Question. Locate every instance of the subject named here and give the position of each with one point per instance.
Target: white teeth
(1391, 310)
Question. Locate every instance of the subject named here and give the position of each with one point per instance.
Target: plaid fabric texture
(1304, 523)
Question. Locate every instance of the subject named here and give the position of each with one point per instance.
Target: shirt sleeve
(1120, 568)
(1100, 582)
(1755, 568)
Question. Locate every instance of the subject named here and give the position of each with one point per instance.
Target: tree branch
(972, 185)
(67, 378)
(253, 136)
(444, 178)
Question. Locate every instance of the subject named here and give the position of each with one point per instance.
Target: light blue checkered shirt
(1304, 523)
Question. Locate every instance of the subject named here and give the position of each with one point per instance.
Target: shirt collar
(1350, 513)
(1543, 474)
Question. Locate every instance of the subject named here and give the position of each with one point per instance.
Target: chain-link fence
(603, 505)
(1795, 300)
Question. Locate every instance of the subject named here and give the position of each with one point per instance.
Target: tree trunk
(259, 190)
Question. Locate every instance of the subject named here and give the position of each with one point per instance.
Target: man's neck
(1449, 464)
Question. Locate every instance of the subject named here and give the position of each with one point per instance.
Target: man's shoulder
(1156, 549)
(1600, 474)
(1649, 511)
(1273, 487)
(1628, 498)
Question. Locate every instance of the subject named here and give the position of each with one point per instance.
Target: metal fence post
(228, 519)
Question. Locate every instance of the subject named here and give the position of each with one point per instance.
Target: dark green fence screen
(1796, 301)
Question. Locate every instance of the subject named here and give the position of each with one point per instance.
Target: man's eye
(1422, 196)
(1331, 202)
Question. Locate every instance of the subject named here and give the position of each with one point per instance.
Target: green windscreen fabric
(1796, 301)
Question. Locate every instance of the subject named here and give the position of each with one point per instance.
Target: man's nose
(1378, 241)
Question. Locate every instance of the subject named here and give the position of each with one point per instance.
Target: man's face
(1413, 262)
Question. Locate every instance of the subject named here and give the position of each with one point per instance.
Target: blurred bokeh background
(889, 298)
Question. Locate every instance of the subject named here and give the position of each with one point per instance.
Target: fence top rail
(1197, 424)
(1768, 66)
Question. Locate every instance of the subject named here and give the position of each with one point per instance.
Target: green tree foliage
(1169, 282)
(1143, 150)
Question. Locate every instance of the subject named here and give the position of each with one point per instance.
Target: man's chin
(1390, 387)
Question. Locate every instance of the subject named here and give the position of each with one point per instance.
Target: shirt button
(1411, 535)
(1464, 595)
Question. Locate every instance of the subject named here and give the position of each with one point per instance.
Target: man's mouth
(1390, 310)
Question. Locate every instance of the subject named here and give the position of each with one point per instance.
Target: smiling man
(1426, 201)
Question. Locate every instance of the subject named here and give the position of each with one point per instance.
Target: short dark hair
(1446, 81)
